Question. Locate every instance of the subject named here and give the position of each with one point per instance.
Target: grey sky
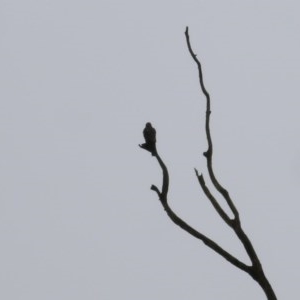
(79, 80)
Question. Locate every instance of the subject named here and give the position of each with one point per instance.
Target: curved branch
(213, 200)
(256, 270)
(207, 241)
(165, 183)
(209, 152)
(163, 196)
(235, 224)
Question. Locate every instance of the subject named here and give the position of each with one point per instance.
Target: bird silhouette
(149, 133)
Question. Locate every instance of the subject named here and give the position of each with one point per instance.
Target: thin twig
(213, 200)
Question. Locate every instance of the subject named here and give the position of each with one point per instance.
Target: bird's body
(149, 134)
(150, 139)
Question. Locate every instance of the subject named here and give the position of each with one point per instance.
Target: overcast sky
(79, 80)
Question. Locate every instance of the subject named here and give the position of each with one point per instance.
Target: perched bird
(150, 139)
(149, 134)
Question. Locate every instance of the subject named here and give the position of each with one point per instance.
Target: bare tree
(255, 270)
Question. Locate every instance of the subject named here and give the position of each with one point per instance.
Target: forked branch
(208, 154)
(255, 269)
(163, 197)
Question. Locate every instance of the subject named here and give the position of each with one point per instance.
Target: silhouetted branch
(255, 270)
(208, 154)
(212, 199)
(165, 184)
(163, 197)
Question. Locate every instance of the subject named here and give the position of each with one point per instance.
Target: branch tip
(205, 154)
(155, 189)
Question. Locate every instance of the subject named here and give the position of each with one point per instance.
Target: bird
(149, 133)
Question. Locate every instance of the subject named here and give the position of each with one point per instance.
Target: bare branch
(256, 270)
(209, 152)
(213, 200)
(207, 241)
(155, 189)
(165, 184)
(163, 197)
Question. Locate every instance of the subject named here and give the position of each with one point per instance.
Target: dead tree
(255, 270)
